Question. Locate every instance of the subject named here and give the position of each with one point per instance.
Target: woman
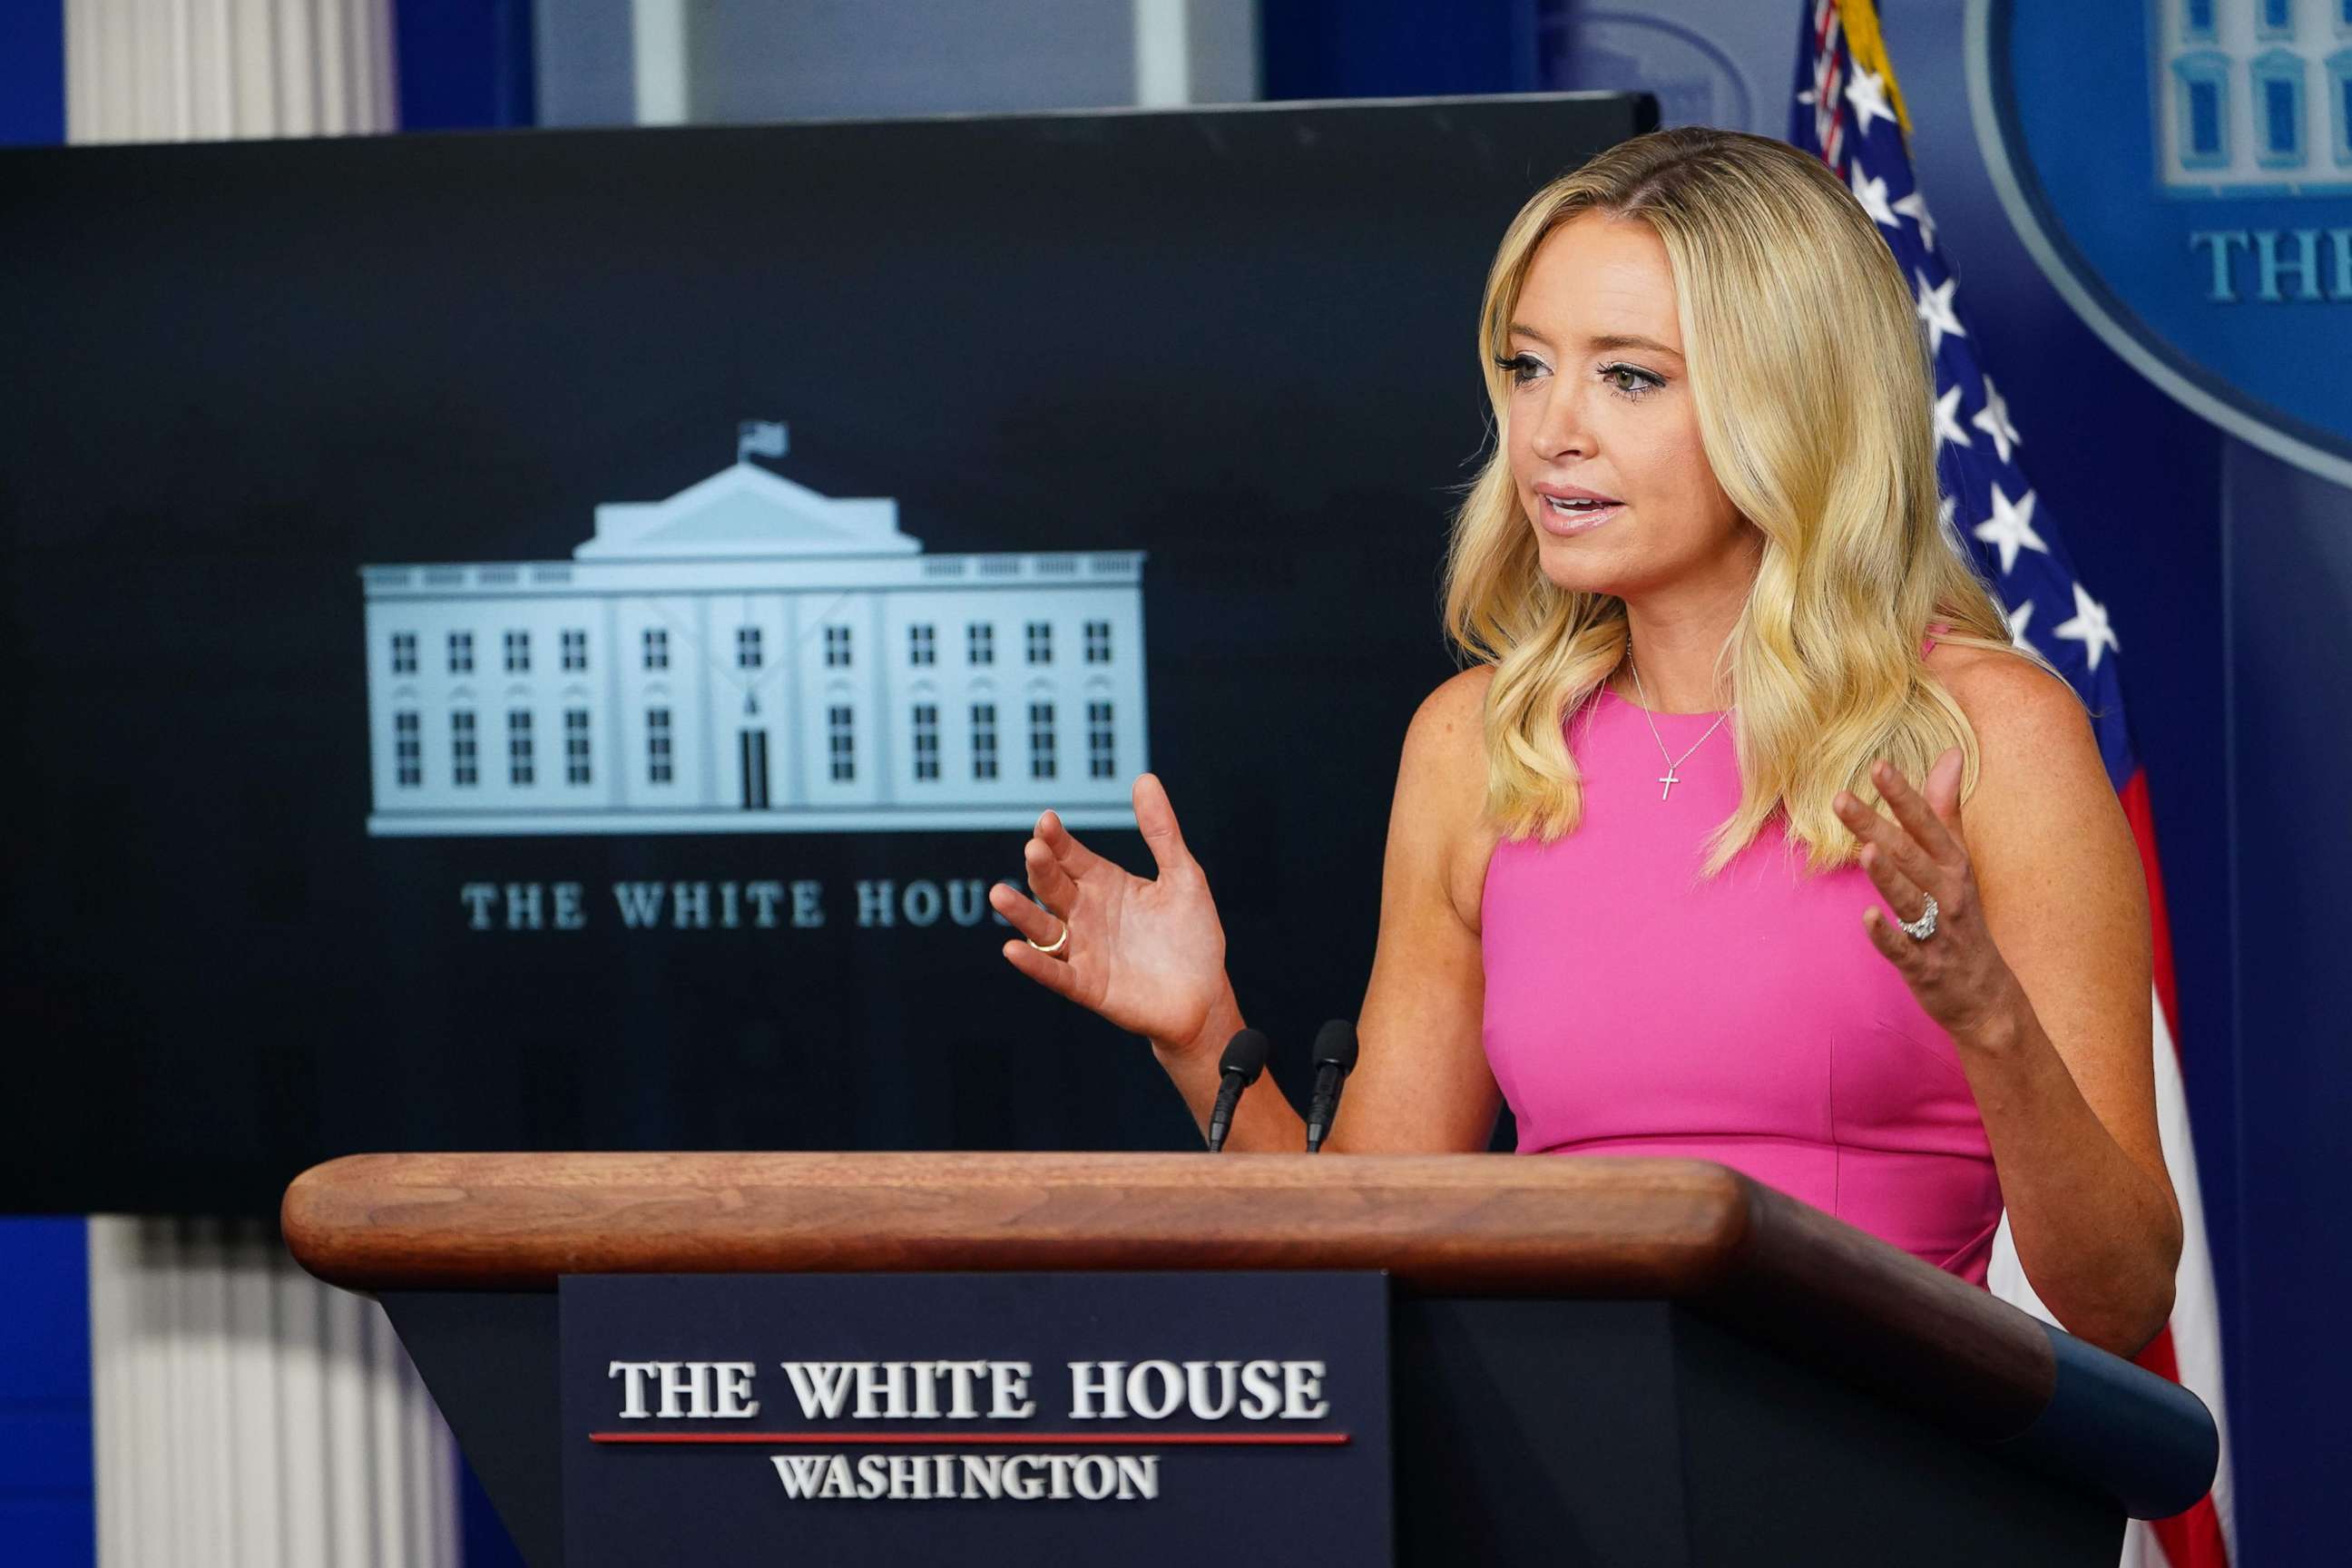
(1713, 620)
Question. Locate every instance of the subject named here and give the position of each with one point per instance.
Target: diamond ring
(1917, 929)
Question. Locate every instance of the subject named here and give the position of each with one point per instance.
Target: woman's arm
(1420, 1083)
(2061, 1063)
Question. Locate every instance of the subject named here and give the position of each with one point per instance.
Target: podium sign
(975, 1418)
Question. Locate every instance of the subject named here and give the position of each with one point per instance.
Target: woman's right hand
(1150, 956)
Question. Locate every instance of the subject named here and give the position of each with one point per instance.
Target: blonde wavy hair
(1814, 390)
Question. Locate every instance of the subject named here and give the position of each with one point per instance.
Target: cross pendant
(1669, 780)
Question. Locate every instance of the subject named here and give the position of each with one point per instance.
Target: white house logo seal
(2182, 172)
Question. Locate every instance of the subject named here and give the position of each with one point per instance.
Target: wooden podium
(1593, 1359)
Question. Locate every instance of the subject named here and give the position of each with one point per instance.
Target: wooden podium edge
(1443, 1225)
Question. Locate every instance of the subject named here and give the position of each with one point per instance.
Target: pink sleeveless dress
(1633, 1009)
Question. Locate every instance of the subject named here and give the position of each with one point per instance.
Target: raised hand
(1959, 975)
(1150, 956)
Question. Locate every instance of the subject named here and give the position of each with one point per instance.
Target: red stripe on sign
(966, 1440)
(2141, 814)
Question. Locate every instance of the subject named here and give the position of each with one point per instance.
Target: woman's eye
(1521, 366)
(1628, 382)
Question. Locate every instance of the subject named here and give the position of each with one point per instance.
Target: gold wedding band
(1060, 942)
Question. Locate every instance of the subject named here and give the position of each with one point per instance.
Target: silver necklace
(1670, 779)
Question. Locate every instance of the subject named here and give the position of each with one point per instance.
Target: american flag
(1849, 112)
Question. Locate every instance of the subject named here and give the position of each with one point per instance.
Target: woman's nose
(1561, 429)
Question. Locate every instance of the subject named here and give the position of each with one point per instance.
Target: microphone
(1244, 1058)
(1335, 1059)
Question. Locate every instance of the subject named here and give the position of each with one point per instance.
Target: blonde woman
(1661, 858)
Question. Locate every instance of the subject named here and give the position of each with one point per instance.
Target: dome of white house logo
(2182, 171)
(752, 657)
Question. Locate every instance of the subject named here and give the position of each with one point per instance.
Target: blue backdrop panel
(464, 63)
(46, 1491)
(32, 72)
(2290, 555)
(1362, 49)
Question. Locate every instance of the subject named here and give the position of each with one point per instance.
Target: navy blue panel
(644, 1490)
(45, 1313)
(1394, 49)
(483, 1541)
(46, 1514)
(45, 1452)
(2289, 546)
(2126, 1434)
(32, 72)
(46, 1532)
(465, 64)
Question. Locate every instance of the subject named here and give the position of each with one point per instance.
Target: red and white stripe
(1828, 82)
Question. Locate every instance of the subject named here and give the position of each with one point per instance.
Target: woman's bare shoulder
(1456, 710)
(2034, 734)
(1441, 803)
(1999, 691)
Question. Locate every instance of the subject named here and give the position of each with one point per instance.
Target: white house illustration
(752, 657)
(2254, 96)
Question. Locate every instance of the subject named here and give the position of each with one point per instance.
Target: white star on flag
(2019, 618)
(1935, 309)
(2011, 529)
(1914, 207)
(1948, 423)
(1865, 94)
(1872, 195)
(2089, 627)
(1993, 420)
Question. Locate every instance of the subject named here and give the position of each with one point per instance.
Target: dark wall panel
(1206, 337)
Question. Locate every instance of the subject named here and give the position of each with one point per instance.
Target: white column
(248, 1416)
(180, 71)
(1195, 51)
(296, 66)
(113, 1252)
(657, 29)
(256, 1409)
(1163, 65)
(300, 1353)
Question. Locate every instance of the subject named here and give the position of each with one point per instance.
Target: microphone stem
(1324, 1107)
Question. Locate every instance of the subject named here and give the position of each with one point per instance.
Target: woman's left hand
(1959, 975)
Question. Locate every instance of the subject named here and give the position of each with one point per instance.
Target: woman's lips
(1567, 524)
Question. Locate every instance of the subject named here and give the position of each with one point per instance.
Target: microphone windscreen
(1335, 1044)
(1246, 1054)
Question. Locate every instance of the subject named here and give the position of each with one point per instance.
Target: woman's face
(1601, 407)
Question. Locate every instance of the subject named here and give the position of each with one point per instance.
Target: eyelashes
(1642, 382)
(1629, 382)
